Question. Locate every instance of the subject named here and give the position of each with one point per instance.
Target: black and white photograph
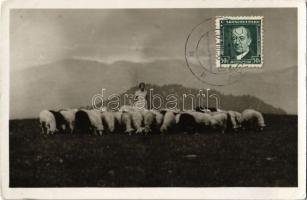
(132, 98)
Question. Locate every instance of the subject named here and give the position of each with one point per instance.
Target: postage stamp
(200, 56)
(239, 41)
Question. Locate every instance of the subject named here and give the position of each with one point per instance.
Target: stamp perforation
(222, 60)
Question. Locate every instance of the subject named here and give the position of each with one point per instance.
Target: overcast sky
(44, 36)
(39, 37)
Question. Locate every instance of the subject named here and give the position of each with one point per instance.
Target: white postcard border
(153, 193)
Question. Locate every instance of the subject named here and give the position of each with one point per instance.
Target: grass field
(248, 159)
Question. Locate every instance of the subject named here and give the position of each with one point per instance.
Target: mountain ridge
(72, 83)
(177, 91)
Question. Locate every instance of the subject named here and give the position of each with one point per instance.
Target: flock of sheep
(132, 120)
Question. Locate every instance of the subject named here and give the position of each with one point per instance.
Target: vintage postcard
(156, 99)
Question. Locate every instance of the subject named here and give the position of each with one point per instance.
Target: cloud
(45, 36)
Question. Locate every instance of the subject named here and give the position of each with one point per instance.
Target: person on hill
(141, 97)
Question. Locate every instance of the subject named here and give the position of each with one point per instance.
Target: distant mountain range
(173, 95)
(72, 83)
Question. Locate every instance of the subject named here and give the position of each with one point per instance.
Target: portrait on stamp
(239, 41)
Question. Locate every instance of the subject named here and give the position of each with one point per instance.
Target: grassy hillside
(245, 159)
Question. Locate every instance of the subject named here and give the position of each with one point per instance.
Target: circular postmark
(201, 57)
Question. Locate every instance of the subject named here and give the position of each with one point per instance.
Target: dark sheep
(187, 123)
(61, 123)
(82, 122)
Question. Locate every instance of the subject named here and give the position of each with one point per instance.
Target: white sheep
(137, 121)
(219, 121)
(252, 119)
(158, 118)
(109, 120)
(118, 117)
(149, 121)
(96, 121)
(203, 119)
(235, 119)
(137, 116)
(126, 122)
(153, 120)
(47, 122)
(169, 120)
(177, 118)
(60, 121)
(69, 115)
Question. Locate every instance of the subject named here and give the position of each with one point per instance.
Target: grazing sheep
(235, 119)
(220, 121)
(169, 120)
(118, 117)
(89, 121)
(60, 122)
(137, 121)
(47, 122)
(126, 122)
(238, 117)
(82, 122)
(137, 117)
(159, 117)
(192, 121)
(252, 119)
(202, 119)
(69, 115)
(186, 122)
(96, 122)
(153, 120)
(149, 121)
(108, 120)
